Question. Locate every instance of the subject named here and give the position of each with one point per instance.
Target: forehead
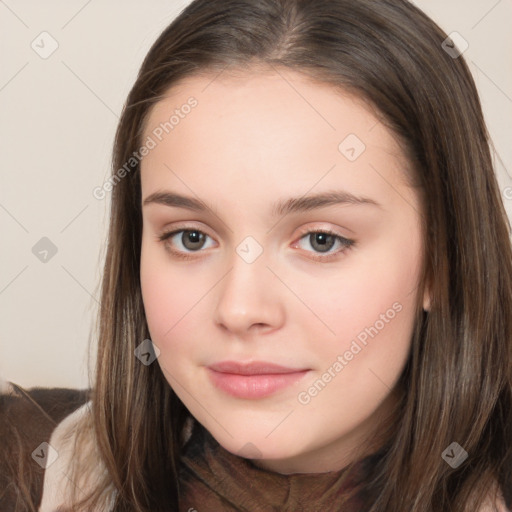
(261, 90)
(271, 125)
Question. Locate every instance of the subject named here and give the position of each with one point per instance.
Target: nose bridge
(247, 295)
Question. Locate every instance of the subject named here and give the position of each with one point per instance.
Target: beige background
(57, 121)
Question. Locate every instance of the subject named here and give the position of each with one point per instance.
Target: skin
(253, 139)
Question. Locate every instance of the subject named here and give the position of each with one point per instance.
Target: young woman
(307, 292)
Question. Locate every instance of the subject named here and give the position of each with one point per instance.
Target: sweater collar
(211, 478)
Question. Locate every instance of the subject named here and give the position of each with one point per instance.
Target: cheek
(169, 295)
(371, 301)
(373, 319)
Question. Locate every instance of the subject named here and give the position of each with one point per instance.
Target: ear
(426, 299)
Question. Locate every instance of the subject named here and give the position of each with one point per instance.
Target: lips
(253, 368)
(253, 380)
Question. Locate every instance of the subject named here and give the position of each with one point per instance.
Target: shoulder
(495, 502)
(27, 419)
(61, 454)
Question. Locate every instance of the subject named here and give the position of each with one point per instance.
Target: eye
(187, 240)
(322, 241)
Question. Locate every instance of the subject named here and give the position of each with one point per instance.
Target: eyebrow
(281, 208)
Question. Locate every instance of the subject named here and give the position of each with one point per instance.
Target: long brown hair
(458, 378)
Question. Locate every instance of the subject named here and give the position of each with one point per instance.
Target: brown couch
(27, 419)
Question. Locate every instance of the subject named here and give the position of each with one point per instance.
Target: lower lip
(254, 386)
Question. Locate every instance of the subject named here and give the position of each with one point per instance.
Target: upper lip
(252, 368)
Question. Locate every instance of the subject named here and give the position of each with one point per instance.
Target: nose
(249, 298)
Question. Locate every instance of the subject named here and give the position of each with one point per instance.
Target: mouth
(253, 380)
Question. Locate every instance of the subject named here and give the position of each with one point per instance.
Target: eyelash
(346, 242)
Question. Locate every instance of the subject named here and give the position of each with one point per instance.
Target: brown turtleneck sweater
(213, 479)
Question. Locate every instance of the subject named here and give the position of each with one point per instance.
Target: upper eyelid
(304, 232)
(178, 229)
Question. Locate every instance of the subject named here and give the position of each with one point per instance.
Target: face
(298, 244)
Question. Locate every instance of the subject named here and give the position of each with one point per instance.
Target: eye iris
(324, 241)
(192, 239)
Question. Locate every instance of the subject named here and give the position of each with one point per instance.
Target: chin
(256, 443)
